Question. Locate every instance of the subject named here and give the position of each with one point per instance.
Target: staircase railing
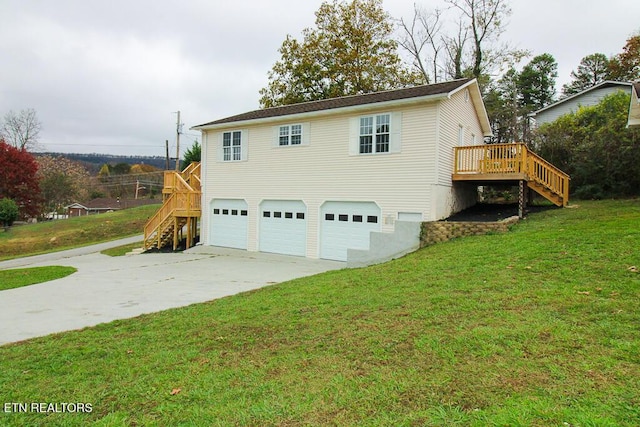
(187, 202)
(549, 176)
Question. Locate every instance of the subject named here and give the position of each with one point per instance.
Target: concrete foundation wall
(387, 246)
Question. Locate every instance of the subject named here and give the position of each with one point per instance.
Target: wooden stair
(180, 209)
(509, 163)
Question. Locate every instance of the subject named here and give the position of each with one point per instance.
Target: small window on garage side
(329, 217)
(225, 211)
(300, 215)
(372, 219)
(216, 211)
(234, 212)
(357, 218)
(243, 213)
(288, 215)
(343, 217)
(277, 214)
(266, 214)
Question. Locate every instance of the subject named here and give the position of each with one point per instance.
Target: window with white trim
(375, 134)
(290, 135)
(232, 146)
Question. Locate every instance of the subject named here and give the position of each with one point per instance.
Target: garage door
(283, 227)
(346, 225)
(229, 223)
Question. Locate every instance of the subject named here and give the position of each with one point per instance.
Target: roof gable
(432, 90)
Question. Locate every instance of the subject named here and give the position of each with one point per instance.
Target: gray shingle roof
(346, 101)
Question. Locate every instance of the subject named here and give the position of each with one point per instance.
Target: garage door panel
(283, 227)
(347, 225)
(229, 221)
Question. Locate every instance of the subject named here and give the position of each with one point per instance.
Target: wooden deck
(511, 163)
(179, 212)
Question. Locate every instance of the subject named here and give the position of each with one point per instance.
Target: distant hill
(93, 161)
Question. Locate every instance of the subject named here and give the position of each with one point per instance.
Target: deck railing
(511, 160)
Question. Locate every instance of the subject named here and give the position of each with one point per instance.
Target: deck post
(522, 198)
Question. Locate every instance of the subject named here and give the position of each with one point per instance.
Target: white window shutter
(244, 145)
(395, 144)
(306, 133)
(275, 140)
(354, 136)
(219, 151)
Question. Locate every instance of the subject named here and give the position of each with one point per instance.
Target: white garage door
(229, 223)
(346, 225)
(283, 227)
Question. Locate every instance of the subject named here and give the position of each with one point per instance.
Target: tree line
(356, 47)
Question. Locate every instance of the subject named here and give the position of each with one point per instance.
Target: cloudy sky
(108, 76)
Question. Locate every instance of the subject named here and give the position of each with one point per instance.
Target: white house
(316, 179)
(586, 98)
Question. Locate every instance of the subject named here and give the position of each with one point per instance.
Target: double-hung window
(290, 135)
(232, 146)
(375, 134)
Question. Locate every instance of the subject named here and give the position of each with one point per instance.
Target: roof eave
(325, 112)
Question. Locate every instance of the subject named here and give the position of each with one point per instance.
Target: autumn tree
(351, 51)
(18, 179)
(62, 181)
(22, 129)
(626, 65)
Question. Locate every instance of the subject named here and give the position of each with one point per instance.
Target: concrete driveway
(108, 288)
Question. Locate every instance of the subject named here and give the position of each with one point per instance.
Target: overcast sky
(108, 76)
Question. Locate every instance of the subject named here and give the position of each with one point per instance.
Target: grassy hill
(57, 235)
(537, 327)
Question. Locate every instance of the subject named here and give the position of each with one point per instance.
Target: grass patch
(121, 250)
(536, 327)
(16, 278)
(51, 236)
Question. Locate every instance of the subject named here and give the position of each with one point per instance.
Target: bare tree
(424, 34)
(455, 47)
(21, 130)
(486, 20)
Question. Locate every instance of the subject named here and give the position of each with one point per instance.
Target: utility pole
(178, 142)
(166, 146)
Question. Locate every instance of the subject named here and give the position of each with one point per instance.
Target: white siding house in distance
(337, 178)
(586, 98)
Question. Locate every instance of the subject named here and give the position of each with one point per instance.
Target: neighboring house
(102, 205)
(634, 107)
(316, 179)
(570, 104)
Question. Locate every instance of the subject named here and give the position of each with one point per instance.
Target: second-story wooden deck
(511, 163)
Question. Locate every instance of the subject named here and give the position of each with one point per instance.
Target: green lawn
(16, 278)
(536, 327)
(51, 236)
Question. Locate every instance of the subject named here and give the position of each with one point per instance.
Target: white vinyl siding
(328, 166)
